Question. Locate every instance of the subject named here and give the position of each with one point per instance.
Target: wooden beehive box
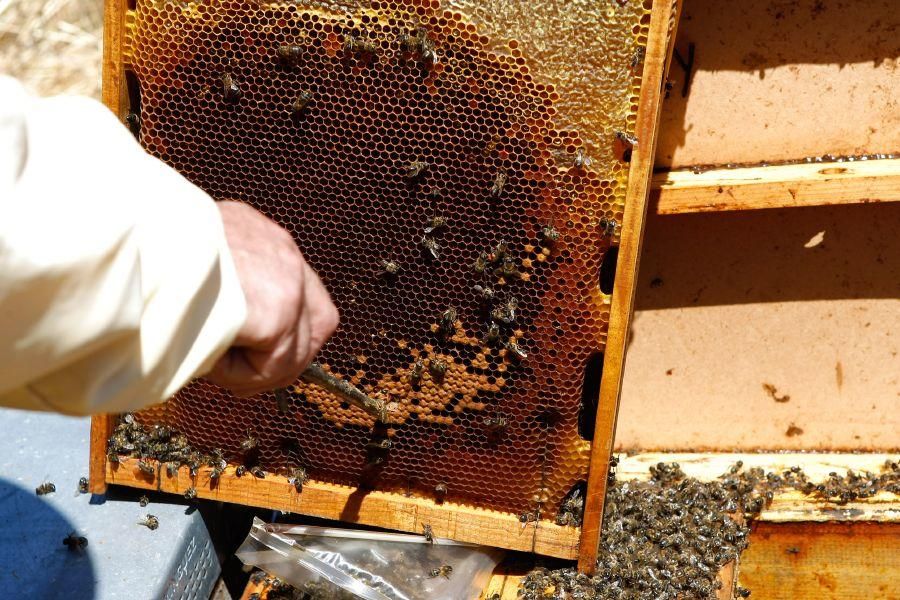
(767, 303)
(530, 117)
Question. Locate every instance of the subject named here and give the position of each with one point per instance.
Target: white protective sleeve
(116, 284)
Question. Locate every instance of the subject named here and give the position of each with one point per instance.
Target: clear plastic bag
(346, 563)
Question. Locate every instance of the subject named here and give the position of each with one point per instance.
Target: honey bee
(507, 268)
(438, 368)
(447, 321)
(146, 467)
(143, 501)
(495, 425)
(45, 488)
(549, 233)
(516, 350)
(420, 45)
(409, 43)
(231, 93)
(497, 253)
(383, 444)
(435, 223)
(669, 86)
(625, 143)
(626, 138)
(75, 543)
(607, 226)
(258, 472)
(258, 577)
(440, 492)
(427, 52)
(415, 373)
(441, 571)
(83, 485)
(428, 533)
(493, 334)
(249, 443)
(480, 264)
(301, 102)
(430, 245)
(566, 519)
(571, 510)
(283, 400)
(581, 160)
(240, 470)
(638, 57)
(499, 184)
(359, 45)
(289, 55)
(528, 517)
(171, 469)
(134, 124)
(487, 294)
(298, 478)
(112, 456)
(390, 267)
(506, 313)
(415, 169)
(216, 472)
(151, 522)
(190, 493)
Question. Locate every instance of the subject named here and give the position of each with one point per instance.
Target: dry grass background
(52, 46)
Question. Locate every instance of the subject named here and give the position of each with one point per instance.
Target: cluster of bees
(159, 446)
(663, 538)
(837, 488)
(572, 509)
(276, 589)
(417, 46)
(670, 536)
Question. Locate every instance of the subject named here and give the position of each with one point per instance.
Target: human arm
(117, 284)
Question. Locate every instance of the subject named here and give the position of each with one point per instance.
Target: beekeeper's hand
(289, 312)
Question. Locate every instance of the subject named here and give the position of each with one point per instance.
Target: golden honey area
(421, 135)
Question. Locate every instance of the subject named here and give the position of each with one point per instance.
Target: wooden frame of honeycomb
(466, 517)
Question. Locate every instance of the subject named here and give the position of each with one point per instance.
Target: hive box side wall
(803, 300)
(782, 81)
(806, 561)
(772, 82)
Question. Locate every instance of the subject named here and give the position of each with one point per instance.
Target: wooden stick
(626, 277)
(779, 186)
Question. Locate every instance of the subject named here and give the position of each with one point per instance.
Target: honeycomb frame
(505, 530)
